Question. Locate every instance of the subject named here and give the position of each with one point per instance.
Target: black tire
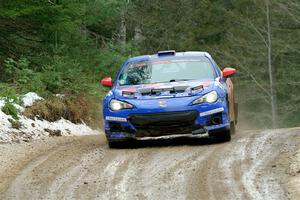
(224, 136)
(115, 145)
(119, 144)
(112, 145)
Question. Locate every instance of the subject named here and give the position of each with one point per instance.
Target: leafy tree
(66, 46)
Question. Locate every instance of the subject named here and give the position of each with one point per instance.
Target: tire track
(17, 189)
(67, 182)
(241, 169)
(87, 169)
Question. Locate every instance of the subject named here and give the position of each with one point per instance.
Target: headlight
(208, 98)
(119, 105)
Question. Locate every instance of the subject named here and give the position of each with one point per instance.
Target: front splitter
(203, 135)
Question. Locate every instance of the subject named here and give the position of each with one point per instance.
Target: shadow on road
(178, 141)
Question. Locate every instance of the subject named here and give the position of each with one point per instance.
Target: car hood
(166, 90)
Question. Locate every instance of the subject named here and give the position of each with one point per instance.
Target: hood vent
(199, 87)
(128, 94)
(154, 91)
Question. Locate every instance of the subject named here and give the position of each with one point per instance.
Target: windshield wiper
(177, 80)
(172, 80)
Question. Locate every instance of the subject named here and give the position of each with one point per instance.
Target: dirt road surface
(254, 165)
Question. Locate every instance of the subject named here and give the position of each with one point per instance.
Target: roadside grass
(11, 110)
(74, 76)
(76, 109)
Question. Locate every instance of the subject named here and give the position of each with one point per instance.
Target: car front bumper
(190, 119)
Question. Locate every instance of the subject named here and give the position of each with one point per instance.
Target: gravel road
(254, 165)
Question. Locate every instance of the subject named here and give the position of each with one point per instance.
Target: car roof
(177, 54)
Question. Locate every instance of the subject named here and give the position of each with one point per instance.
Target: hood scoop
(155, 91)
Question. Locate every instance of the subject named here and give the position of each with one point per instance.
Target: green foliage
(14, 70)
(57, 46)
(7, 90)
(18, 72)
(10, 109)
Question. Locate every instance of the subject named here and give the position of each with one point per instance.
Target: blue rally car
(169, 93)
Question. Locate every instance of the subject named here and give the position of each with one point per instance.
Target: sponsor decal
(129, 89)
(118, 119)
(210, 112)
(206, 84)
(160, 62)
(162, 103)
(140, 64)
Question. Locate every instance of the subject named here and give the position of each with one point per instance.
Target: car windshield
(167, 70)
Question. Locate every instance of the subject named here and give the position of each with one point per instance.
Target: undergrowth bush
(11, 110)
(9, 95)
(8, 91)
(75, 74)
(73, 108)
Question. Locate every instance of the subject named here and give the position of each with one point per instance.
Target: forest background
(66, 46)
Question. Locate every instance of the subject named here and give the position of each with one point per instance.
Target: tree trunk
(123, 29)
(271, 77)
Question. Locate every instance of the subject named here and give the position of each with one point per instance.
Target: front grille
(117, 127)
(168, 123)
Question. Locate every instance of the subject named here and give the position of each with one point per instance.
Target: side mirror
(107, 81)
(228, 71)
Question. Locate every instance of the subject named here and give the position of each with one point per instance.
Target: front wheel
(120, 144)
(114, 145)
(224, 136)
